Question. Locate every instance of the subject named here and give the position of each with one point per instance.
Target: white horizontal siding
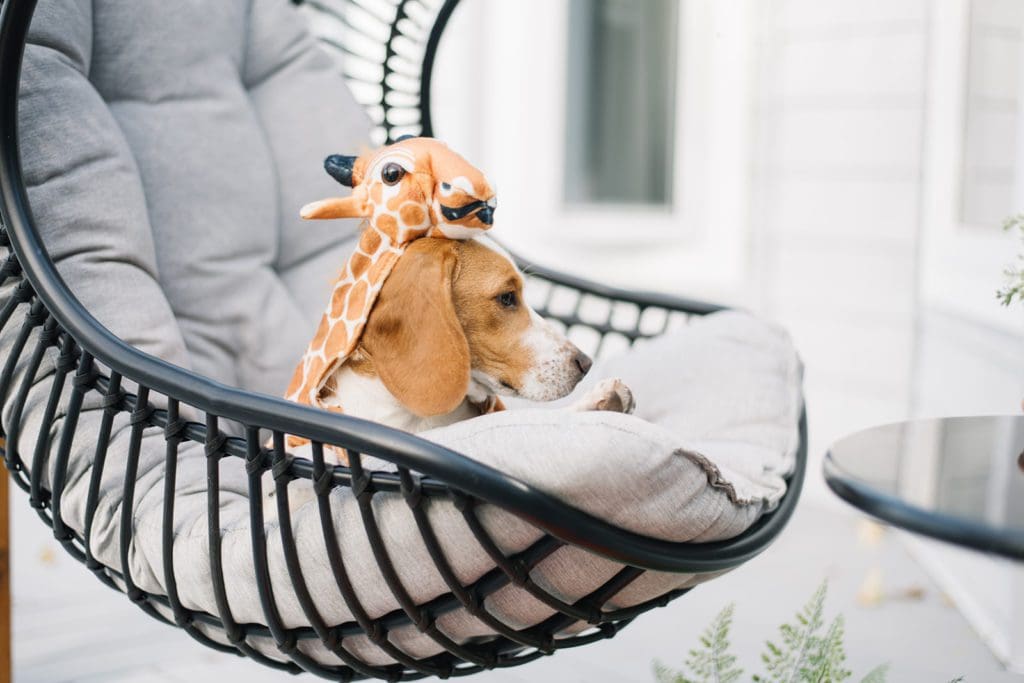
(837, 193)
(868, 68)
(847, 137)
(815, 15)
(854, 211)
(992, 111)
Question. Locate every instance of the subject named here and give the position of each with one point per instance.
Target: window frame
(961, 263)
(699, 244)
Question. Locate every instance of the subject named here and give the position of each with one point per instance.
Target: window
(620, 109)
(993, 178)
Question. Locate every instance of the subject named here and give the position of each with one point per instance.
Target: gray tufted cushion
(183, 155)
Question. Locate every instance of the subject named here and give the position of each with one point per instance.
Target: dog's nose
(583, 362)
(486, 215)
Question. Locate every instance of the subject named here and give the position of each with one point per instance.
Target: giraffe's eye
(392, 173)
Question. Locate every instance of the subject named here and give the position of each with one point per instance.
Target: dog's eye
(508, 299)
(392, 173)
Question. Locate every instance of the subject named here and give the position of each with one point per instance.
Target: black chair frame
(42, 307)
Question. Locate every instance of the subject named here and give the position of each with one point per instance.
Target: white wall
(865, 254)
(837, 196)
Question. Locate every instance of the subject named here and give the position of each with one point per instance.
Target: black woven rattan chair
(390, 66)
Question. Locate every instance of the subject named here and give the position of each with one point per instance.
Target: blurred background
(841, 167)
(844, 168)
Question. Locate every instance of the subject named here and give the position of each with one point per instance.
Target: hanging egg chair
(154, 294)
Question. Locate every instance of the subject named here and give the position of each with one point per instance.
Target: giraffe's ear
(413, 336)
(341, 167)
(338, 207)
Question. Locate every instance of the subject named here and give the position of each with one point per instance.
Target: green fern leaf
(826, 656)
(1014, 288)
(714, 663)
(663, 674)
(877, 675)
(788, 663)
(803, 655)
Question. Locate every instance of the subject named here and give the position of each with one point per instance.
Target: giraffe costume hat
(416, 187)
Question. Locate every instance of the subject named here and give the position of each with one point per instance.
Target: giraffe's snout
(481, 210)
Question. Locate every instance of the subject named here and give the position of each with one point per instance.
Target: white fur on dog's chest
(368, 398)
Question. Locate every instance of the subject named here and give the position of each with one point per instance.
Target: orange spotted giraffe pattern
(416, 187)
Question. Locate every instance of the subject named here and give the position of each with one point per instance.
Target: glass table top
(960, 479)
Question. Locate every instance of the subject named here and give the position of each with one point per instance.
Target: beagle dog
(449, 334)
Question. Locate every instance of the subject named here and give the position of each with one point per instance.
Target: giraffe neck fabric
(347, 311)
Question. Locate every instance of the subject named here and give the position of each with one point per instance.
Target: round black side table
(957, 479)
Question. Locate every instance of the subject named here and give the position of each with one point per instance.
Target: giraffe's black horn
(339, 167)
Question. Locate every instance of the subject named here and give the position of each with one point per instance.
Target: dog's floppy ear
(413, 336)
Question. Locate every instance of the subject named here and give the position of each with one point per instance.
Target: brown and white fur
(451, 331)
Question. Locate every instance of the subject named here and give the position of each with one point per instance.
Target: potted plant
(806, 652)
(1014, 288)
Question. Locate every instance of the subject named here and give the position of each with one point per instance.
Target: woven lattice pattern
(387, 51)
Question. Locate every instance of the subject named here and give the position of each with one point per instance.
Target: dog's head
(451, 317)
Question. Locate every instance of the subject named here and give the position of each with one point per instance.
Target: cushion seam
(711, 471)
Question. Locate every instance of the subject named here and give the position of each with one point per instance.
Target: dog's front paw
(609, 394)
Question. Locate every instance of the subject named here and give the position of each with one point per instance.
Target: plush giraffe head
(413, 188)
